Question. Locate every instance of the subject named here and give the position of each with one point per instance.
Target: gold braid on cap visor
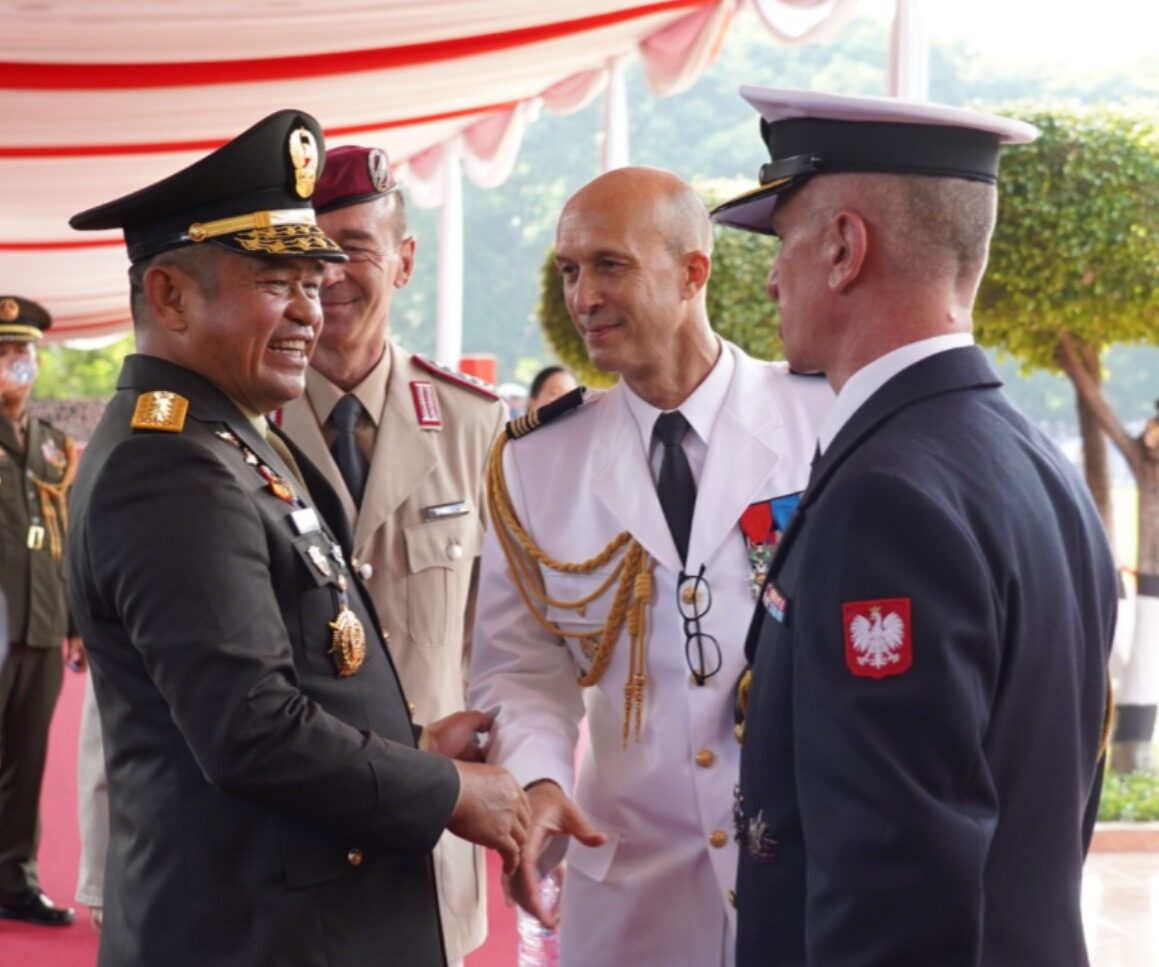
(632, 576)
(200, 231)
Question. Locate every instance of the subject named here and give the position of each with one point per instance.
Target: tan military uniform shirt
(417, 539)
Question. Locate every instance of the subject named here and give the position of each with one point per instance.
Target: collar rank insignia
(426, 404)
(878, 640)
(160, 410)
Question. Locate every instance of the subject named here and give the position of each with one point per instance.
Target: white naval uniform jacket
(422, 571)
(657, 893)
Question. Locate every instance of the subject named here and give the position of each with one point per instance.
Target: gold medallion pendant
(347, 642)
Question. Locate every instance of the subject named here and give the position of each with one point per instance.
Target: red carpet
(22, 945)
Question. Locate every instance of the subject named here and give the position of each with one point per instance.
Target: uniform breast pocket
(439, 557)
(319, 600)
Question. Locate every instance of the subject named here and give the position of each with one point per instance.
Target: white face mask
(22, 370)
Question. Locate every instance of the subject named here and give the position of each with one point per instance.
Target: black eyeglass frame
(694, 637)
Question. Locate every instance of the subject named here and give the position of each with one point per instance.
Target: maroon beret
(353, 175)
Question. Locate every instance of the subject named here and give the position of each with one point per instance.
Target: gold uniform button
(354, 857)
(705, 758)
(717, 838)
(410, 707)
(732, 898)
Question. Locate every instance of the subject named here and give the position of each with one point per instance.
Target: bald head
(632, 248)
(657, 200)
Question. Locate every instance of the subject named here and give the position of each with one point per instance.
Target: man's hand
(74, 654)
(552, 814)
(96, 918)
(455, 735)
(492, 811)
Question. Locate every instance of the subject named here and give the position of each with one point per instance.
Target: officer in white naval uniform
(652, 887)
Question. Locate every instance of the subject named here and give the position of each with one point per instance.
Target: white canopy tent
(100, 97)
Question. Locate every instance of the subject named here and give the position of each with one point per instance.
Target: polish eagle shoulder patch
(878, 637)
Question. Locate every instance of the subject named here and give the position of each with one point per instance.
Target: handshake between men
(492, 811)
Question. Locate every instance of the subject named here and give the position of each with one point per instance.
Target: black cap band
(806, 146)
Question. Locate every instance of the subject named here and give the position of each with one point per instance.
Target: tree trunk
(1138, 698)
(1138, 691)
(1096, 466)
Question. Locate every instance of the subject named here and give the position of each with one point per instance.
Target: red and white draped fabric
(100, 97)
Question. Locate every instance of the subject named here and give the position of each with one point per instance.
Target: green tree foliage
(1076, 251)
(70, 374)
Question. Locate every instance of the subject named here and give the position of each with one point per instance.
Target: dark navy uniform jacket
(264, 811)
(919, 774)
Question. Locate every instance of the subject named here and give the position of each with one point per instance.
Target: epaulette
(160, 410)
(453, 376)
(534, 419)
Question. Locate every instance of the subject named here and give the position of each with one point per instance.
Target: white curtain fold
(793, 22)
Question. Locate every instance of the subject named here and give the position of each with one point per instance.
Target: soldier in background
(37, 466)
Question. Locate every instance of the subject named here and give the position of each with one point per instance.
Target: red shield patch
(878, 639)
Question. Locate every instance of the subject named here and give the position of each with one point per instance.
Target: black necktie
(351, 461)
(676, 488)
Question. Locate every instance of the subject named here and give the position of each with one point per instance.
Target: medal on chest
(53, 455)
(347, 634)
(762, 524)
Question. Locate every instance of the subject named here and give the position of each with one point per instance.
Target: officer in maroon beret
(367, 401)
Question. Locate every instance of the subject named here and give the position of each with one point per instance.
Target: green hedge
(1130, 796)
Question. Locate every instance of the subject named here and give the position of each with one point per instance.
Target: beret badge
(379, 169)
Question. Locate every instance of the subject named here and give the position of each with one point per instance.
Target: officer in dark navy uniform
(268, 804)
(37, 466)
(928, 663)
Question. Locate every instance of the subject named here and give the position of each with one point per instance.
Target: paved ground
(1121, 909)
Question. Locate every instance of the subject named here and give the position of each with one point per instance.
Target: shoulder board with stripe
(534, 419)
(448, 375)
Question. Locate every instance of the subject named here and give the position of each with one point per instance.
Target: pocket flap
(594, 861)
(450, 543)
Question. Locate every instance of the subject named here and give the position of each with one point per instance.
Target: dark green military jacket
(31, 542)
(267, 804)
